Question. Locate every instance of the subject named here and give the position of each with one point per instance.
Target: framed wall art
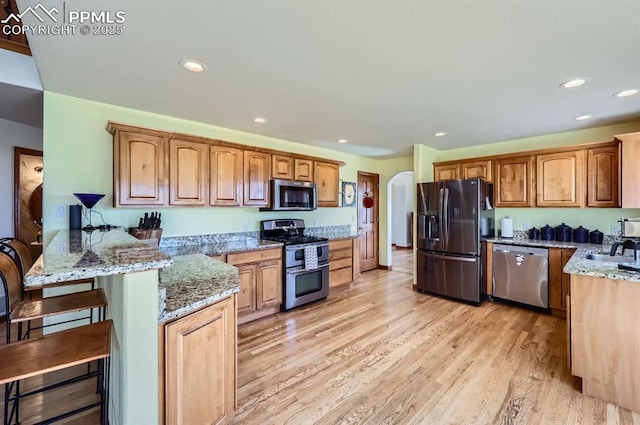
(348, 194)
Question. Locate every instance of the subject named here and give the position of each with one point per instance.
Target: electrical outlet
(525, 226)
(245, 227)
(353, 217)
(61, 210)
(315, 222)
(615, 229)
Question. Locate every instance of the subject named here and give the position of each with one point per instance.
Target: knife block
(150, 236)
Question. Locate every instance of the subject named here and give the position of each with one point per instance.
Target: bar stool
(52, 352)
(28, 310)
(20, 311)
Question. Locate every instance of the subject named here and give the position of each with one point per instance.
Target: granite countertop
(194, 281)
(334, 235)
(223, 247)
(578, 264)
(74, 254)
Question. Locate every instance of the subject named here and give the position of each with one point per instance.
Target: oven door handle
(308, 270)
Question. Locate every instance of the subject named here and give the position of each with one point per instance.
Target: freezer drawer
(450, 275)
(521, 274)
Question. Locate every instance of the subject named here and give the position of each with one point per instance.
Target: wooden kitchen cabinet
(356, 258)
(327, 175)
(225, 176)
(260, 282)
(514, 181)
(629, 170)
(257, 173)
(477, 170)
(303, 170)
(188, 172)
(446, 172)
(340, 262)
(559, 281)
(561, 179)
(602, 177)
(199, 364)
(140, 169)
(281, 167)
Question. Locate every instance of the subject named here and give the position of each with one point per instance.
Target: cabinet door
(477, 170)
(200, 366)
(446, 172)
(247, 295)
(356, 258)
(281, 167)
(560, 179)
(513, 182)
(188, 170)
(629, 170)
(326, 178)
(225, 176)
(257, 172)
(140, 169)
(559, 281)
(602, 177)
(303, 170)
(269, 284)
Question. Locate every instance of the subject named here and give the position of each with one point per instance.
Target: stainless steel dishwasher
(521, 274)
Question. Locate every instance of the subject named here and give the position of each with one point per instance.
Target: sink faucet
(628, 244)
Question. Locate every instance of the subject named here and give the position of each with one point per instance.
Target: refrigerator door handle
(450, 257)
(445, 217)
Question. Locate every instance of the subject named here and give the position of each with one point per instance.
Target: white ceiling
(383, 74)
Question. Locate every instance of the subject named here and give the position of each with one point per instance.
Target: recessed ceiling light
(440, 134)
(342, 141)
(625, 93)
(259, 120)
(573, 83)
(583, 117)
(193, 65)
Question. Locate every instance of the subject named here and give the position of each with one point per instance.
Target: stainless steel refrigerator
(454, 217)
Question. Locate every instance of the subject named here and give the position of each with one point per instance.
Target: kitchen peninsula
(146, 291)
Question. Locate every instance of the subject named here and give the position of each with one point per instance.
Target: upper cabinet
(281, 167)
(327, 175)
(225, 176)
(477, 169)
(257, 173)
(561, 179)
(629, 169)
(154, 167)
(602, 177)
(139, 169)
(446, 172)
(188, 170)
(514, 182)
(303, 170)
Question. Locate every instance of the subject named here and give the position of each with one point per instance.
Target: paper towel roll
(484, 226)
(506, 227)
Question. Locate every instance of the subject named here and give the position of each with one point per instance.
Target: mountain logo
(38, 10)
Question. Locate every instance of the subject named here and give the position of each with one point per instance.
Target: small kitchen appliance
(306, 261)
(630, 227)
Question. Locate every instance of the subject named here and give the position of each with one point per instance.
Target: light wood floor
(376, 352)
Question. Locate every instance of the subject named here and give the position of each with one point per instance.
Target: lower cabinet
(340, 261)
(260, 282)
(559, 281)
(198, 368)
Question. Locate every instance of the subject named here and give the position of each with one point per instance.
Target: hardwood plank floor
(376, 352)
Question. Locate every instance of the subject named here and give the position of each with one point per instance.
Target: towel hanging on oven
(310, 257)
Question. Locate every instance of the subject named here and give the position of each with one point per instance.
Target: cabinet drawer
(340, 244)
(254, 256)
(338, 277)
(219, 257)
(340, 264)
(339, 254)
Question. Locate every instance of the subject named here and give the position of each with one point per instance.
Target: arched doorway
(400, 206)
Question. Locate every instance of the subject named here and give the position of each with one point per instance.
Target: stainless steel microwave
(289, 195)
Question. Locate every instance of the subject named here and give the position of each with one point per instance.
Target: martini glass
(89, 200)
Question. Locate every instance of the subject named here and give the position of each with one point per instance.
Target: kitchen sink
(609, 258)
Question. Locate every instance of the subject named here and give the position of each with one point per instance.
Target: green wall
(601, 218)
(78, 158)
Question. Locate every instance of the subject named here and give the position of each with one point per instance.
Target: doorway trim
(376, 206)
(389, 222)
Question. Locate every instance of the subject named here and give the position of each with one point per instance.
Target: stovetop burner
(289, 232)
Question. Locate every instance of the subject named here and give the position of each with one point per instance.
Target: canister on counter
(596, 237)
(547, 233)
(580, 234)
(534, 233)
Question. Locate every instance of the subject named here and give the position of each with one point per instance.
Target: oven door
(304, 286)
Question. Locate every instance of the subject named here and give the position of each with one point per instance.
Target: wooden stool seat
(60, 304)
(55, 351)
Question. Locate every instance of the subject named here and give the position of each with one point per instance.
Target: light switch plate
(615, 229)
(525, 226)
(61, 210)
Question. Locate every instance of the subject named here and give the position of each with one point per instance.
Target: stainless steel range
(306, 261)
